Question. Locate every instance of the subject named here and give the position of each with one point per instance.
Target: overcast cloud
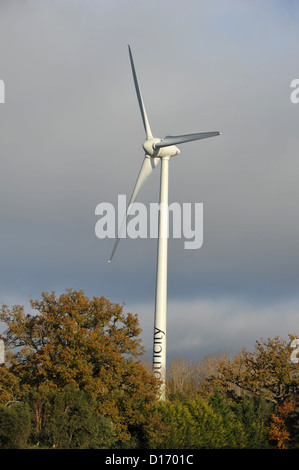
(71, 138)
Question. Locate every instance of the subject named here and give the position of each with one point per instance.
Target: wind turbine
(157, 150)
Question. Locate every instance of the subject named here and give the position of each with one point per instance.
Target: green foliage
(246, 421)
(235, 436)
(74, 423)
(74, 380)
(253, 415)
(192, 425)
(15, 426)
(68, 419)
(179, 423)
(210, 432)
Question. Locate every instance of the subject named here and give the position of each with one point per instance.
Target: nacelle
(149, 147)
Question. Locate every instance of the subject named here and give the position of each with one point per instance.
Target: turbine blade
(180, 139)
(147, 128)
(147, 167)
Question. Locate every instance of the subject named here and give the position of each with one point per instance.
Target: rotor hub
(149, 148)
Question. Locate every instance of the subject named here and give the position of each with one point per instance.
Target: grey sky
(71, 137)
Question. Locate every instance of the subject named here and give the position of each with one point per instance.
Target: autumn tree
(9, 387)
(294, 428)
(185, 378)
(88, 342)
(279, 432)
(267, 371)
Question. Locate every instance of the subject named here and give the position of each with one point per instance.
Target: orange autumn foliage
(91, 343)
(278, 429)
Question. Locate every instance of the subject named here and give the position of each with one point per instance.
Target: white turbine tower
(155, 150)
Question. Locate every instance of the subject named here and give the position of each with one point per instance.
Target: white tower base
(159, 343)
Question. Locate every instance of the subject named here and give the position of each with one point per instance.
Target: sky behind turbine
(71, 137)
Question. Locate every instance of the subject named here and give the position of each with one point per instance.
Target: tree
(15, 426)
(294, 428)
(179, 425)
(183, 378)
(191, 425)
(210, 432)
(67, 419)
(235, 435)
(279, 432)
(267, 372)
(9, 387)
(73, 421)
(251, 414)
(88, 342)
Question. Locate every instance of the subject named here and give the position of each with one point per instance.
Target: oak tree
(266, 371)
(91, 343)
